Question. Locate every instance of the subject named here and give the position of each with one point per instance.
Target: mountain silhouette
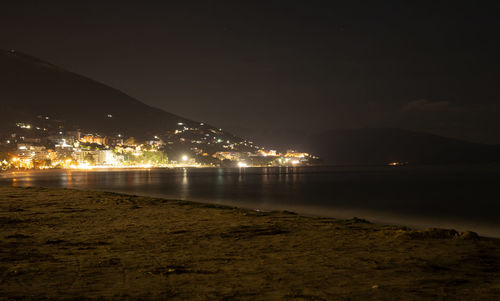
(31, 87)
(382, 146)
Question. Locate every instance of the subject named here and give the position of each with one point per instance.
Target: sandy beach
(66, 244)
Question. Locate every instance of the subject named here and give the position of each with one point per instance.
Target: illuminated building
(294, 154)
(106, 157)
(270, 153)
(94, 139)
(233, 156)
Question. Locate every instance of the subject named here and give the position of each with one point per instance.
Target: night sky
(264, 68)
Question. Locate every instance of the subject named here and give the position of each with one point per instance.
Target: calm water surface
(465, 198)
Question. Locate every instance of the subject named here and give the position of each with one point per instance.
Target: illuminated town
(45, 144)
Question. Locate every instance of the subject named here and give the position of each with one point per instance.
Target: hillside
(380, 146)
(50, 109)
(31, 87)
(38, 93)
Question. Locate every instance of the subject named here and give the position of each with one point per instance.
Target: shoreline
(63, 243)
(146, 167)
(487, 229)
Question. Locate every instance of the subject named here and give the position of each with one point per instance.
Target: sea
(458, 197)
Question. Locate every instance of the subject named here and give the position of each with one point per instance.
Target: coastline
(62, 243)
(307, 204)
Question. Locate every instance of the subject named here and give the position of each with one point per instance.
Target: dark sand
(65, 244)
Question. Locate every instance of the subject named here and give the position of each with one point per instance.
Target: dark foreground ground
(66, 244)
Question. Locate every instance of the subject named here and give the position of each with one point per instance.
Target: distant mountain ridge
(31, 87)
(381, 146)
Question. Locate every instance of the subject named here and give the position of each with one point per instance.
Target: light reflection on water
(460, 197)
